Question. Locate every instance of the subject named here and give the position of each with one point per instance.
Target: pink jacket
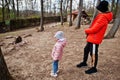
(57, 51)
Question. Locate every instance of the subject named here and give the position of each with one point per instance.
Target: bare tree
(7, 8)
(27, 7)
(93, 5)
(66, 7)
(116, 24)
(96, 11)
(90, 6)
(61, 13)
(116, 9)
(7, 14)
(4, 72)
(70, 21)
(79, 14)
(54, 7)
(50, 6)
(13, 7)
(47, 7)
(112, 5)
(42, 17)
(3, 11)
(17, 8)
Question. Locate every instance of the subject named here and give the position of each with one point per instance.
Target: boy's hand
(86, 35)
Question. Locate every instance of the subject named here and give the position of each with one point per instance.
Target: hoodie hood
(109, 16)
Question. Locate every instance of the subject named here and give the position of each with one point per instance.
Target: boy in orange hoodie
(95, 34)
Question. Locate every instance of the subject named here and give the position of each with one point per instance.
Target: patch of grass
(18, 32)
(8, 34)
(14, 33)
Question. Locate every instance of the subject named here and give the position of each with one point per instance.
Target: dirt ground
(32, 60)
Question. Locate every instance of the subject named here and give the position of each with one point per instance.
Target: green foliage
(12, 16)
(31, 16)
(7, 22)
(0, 11)
(0, 14)
(90, 15)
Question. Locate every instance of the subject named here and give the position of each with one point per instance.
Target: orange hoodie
(98, 27)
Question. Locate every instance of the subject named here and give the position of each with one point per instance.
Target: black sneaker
(91, 70)
(82, 64)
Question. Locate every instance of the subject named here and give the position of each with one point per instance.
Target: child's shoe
(53, 74)
(58, 71)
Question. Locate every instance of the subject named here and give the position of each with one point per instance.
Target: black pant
(93, 50)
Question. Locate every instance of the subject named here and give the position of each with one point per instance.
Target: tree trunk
(47, 7)
(79, 15)
(8, 9)
(4, 73)
(54, 5)
(17, 9)
(70, 22)
(14, 9)
(7, 15)
(26, 8)
(3, 11)
(66, 8)
(115, 26)
(93, 5)
(112, 5)
(95, 12)
(61, 14)
(42, 17)
(50, 7)
(116, 9)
